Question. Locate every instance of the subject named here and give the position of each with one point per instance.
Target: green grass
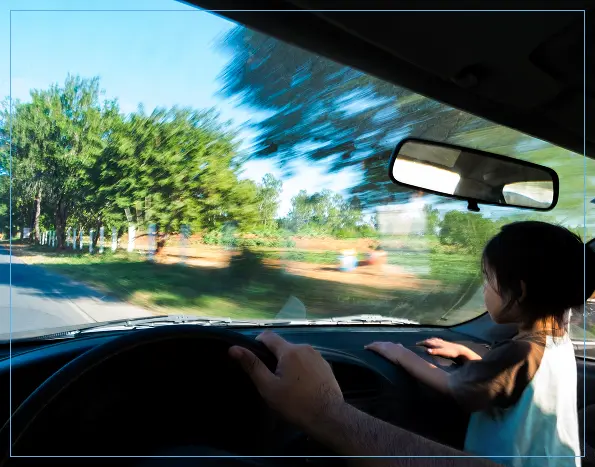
(246, 289)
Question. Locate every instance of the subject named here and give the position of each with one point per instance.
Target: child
(523, 392)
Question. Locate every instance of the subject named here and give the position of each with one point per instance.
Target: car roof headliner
(521, 69)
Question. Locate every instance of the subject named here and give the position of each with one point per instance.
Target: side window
(582, 329)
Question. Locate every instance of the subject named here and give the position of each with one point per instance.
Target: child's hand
(389, 350)
(442, 348)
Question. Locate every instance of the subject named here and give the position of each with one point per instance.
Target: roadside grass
(248, 288)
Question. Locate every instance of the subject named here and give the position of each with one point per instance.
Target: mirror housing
(477, 177)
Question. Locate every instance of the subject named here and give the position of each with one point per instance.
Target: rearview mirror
(474, 176)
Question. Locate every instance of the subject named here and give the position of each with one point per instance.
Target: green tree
(56, 138)
(180, 162)
(267, 197)
(323, 213)
(467, 231)
(432, 219)
(324, 111)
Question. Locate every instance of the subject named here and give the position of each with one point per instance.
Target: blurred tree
(182, 162)
(55, 140)
(323, 213)
(323, 111)
(328, 112)
(267, 197)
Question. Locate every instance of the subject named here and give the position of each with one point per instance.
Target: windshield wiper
(347, 320)
(129, 324)
(153, 321)
(140, 323)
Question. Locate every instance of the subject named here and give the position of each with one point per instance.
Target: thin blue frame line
(197, 9)
(290, 457)
(10, 236)
(348, 457)
(584, 453)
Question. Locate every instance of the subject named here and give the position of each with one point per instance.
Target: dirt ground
(387, 277)
(381, 276)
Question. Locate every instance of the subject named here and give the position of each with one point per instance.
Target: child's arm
(415, 365)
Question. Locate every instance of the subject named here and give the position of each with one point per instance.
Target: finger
(375, 347)
(433, 342)
(274, 342)
(252, 365)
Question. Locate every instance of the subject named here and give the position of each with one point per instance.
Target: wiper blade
(355, 319)
(137, 323)
(372, 319)
(153, 321)
(140, 323)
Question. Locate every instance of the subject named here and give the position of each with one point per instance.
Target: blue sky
(159, 58)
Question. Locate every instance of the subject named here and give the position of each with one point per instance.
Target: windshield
(176, 163)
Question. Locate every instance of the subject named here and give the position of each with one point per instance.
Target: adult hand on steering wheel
(303, 388)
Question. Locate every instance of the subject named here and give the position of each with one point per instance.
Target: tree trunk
(160, 242)
(96, 236)
(37, 213)
(60, 221)
(22, 236)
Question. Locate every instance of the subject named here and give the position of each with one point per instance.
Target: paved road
(43, 300)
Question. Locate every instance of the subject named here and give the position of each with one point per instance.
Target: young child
(523, 392)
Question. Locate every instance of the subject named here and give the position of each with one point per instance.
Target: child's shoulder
(518, 349)
(527, 346)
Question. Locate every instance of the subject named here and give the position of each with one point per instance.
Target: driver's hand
(303, 387)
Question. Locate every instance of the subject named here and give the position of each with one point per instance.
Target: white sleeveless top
(523, 398)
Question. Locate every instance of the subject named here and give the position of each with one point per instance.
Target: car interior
(172, 390)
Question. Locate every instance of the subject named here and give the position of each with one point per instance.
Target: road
(42, 300)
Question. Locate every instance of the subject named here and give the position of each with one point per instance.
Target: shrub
(212, 238)
(288, 243)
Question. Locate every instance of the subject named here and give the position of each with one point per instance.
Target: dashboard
(165, 386)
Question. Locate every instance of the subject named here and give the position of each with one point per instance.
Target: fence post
(91, 232)
(152, 242)
(114, 239)
(101, 238)
(185, 230)
(131, 232)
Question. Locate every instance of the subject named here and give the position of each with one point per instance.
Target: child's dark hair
(548, 259)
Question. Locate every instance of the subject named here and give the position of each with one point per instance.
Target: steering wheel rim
(39, 400)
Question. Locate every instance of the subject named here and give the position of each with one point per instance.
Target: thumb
(252, 365)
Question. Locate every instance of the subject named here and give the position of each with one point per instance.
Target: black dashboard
(178, 382)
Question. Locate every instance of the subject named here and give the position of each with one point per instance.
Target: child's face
(495, 304)
(493, 301)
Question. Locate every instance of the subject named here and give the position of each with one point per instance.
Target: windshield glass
(176, 163)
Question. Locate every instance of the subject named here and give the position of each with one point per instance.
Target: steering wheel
(58, 418)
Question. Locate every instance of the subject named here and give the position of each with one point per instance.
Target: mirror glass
(468, 174)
